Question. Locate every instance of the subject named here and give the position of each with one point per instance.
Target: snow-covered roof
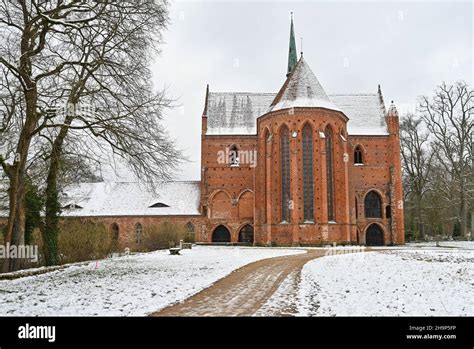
(365, 113)
(235, 113)
(302, 89)
(131, 199)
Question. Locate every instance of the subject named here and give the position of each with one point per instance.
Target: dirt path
(243, 292)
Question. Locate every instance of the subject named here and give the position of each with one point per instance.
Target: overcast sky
(351, 46)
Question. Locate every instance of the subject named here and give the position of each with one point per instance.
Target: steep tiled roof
(302, 89)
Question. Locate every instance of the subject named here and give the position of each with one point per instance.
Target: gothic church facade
(300, 167)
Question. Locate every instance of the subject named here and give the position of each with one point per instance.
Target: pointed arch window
(358, 155)
(267, 166)
(285, 174)
(373, 205)
(329, 173)
(234, 156)
(115, 231)
(138, 233)
(308, 183)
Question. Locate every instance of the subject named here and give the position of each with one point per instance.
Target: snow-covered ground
(126, 286)
(403, 282)
(468, 245)
(400, 281)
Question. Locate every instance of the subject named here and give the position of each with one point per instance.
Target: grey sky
(351, 46)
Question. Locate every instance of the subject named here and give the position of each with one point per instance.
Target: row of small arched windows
(138, 230)
(358, 152)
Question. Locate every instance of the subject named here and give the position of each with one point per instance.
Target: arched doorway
(246, 234)
(221, 234)
(374, 235)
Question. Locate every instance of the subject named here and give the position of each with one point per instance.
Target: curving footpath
(244, 291)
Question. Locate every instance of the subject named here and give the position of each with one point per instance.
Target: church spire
(292, 56)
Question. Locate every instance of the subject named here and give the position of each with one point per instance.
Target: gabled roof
(131, 199)
(235, 113)
(365, 112)
(302, 89)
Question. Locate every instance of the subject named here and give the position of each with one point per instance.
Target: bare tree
(448, 118)
(81, 51)
(417, 159)
(28, 53)
(441, 204)
(125, 117)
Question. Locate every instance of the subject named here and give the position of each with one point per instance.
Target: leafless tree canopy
(438, 161)
(90, 64)
(75, 87)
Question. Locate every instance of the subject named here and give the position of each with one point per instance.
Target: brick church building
(303, 168)
(296, 167)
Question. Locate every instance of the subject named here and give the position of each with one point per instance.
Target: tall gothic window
(373, 205)
(267, 167)
(285, 174)
(358, 159)
(329, 173)
(308, 186)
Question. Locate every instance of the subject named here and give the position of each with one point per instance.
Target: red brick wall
(269, 229)
(223, 186)
(127, 237)
(227, 192)
(374, 174)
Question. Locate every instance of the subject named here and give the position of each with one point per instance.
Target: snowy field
(404, 282)
(126, 286)
(465, 245)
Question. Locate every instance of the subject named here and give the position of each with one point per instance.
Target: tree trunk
(419, 218)
(51, 230)
(472, 224)
(51, 226)
(464, 214)
(15, 234)
(16, 220)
